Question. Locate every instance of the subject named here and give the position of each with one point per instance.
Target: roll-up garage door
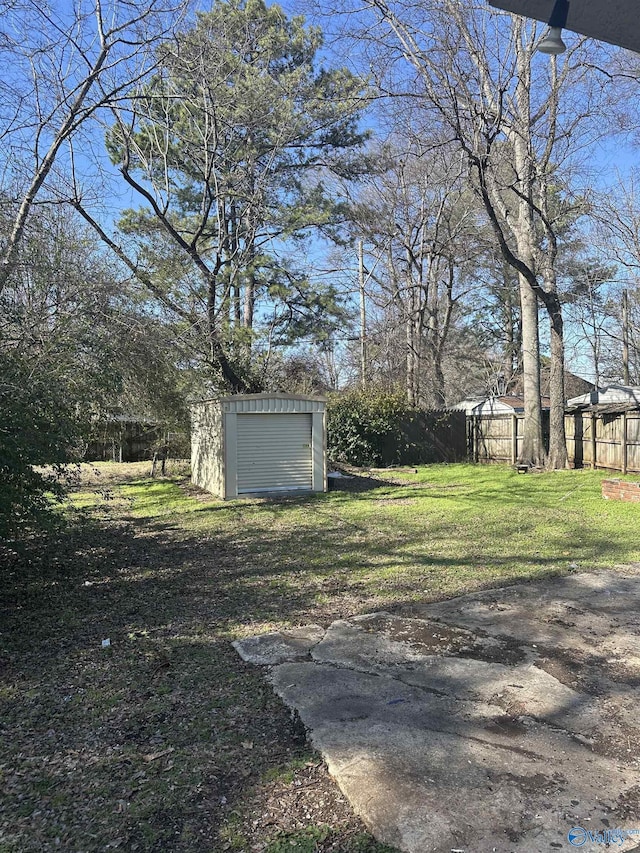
(274, 452)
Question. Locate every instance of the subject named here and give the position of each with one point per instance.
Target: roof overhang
(613, 21)
(603, 408)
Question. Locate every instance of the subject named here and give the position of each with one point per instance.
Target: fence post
(514, 439)
(593, 441)
(624, 442)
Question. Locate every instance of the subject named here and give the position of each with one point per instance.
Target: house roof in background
(613, 21)
(573, 384)
(507, 405)
(608, 400)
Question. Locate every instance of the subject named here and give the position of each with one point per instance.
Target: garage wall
(207, 447)
(283, 449)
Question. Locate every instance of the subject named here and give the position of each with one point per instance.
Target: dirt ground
(164, 740)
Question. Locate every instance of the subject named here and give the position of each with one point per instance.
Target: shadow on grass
(352, 483)
(160, 740)
(156, 572)
(167, 725)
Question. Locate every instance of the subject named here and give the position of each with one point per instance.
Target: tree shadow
(353, 483)
(170, 599)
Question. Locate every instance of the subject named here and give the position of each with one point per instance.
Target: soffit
(613, 21)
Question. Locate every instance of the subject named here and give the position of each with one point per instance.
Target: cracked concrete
(490, 722)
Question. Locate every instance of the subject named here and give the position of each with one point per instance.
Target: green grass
(167, 740)
(450, 529)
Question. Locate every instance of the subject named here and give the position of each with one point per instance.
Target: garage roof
(505, 405)
(608, 400)
(613, 21)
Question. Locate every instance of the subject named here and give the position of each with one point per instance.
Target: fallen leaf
(152, 756)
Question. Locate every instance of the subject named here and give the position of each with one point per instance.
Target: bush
(379, 429)
(38, 427)
(369, 428)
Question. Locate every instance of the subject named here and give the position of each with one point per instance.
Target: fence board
(615, 439)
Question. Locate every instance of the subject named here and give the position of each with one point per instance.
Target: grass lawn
(165, 740)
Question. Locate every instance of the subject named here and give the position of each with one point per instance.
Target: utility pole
(625, 335)
(363, 316)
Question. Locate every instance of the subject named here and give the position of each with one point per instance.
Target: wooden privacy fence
(604, 440)
(498, 438)
(441, 435)
(594, 439)
(423, 438)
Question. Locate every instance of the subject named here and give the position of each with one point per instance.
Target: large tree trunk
(558, 457)
(532, 451)
(412, 378)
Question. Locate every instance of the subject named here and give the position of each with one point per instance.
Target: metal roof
(507, 404)
(613, 21)
(612, 408)
(608, 400)
(272, 395)
(483, 405)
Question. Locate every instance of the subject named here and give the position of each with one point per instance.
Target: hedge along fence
(381, 429)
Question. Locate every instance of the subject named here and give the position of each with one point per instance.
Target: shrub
(379, 428)
(39, 427)
(369, 428)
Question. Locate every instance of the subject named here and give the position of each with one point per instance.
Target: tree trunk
(249, 300)
(413, 339)
(217, 354)
(558, 457)
(439, 397)
(532, 451)
(411, 361)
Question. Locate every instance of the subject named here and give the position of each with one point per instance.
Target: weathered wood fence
(594, 439)
(497, 438)
(599, 440)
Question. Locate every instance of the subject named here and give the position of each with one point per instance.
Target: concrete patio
(500, 721)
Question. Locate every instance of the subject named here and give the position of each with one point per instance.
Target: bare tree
(617, 212)
(419, 220)
(515, 118)
(592, 311)
(67, 64)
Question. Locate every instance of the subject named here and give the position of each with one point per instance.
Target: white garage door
(274, 452)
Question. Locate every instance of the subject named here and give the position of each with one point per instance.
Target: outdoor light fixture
(613, 21)
(552, 43)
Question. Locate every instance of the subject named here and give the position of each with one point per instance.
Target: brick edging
(621, 490)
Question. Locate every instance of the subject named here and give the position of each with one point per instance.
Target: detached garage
(259, 443)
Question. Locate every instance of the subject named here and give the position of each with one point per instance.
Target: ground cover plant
(164, 739)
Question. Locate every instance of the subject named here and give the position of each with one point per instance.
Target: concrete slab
(279, 646)
(491, 722)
